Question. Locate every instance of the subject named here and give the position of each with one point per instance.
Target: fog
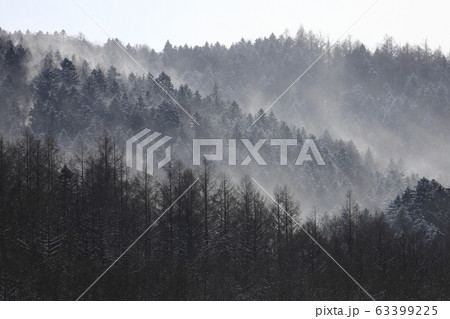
(392, 100)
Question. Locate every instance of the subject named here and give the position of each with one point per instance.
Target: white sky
(227, 21)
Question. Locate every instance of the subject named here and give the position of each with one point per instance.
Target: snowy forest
(69, 206)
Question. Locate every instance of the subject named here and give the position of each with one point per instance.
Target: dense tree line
(64, 219)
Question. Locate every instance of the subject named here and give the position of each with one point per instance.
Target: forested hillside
(75, 103)
(69, 206)
(393, 98)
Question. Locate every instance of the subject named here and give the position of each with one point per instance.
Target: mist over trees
(74, 101)
(393, 98)
(69, 206)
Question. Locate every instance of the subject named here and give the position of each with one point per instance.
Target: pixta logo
(141, 148)
(253, 151)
